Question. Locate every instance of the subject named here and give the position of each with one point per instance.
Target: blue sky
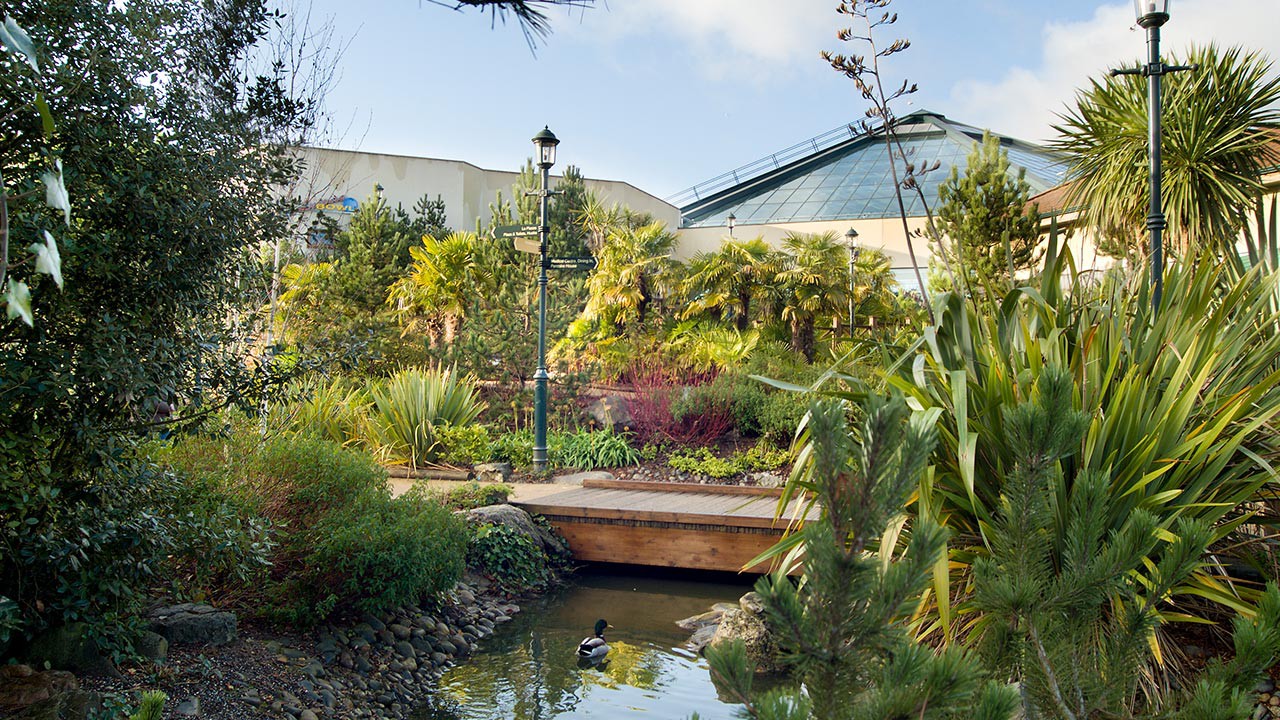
(666, 93)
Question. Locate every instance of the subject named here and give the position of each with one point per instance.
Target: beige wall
(886, 235)
(466, 189)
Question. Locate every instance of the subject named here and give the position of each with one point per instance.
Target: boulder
(610, 412)
(767, 479)
(69, 647)
(193, 623)
(153, 647)
(34, 694)
(493, 472)
(740, 624)
(578, 477)
(520, 521)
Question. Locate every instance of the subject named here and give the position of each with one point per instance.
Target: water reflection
(529, 671)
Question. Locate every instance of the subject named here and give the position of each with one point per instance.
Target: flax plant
(408, 407)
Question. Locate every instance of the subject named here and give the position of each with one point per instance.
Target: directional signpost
(503, 232)
(571, 263)
(529, 245)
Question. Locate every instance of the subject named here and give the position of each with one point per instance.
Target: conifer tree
(842, 629)
(991, 232)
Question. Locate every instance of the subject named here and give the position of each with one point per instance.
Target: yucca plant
(333, 410)
(1179, 406)
(408, 407)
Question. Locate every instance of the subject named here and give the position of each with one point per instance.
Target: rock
(36, 693)
(493, 472)
(69, 648)
(194, 624)
(739, 624)
(519, 520)
(767, 479)
(611, 412)
(698, 622)
(152, 646)
(188, 708)
(702, 637)
(308, 715)
(1265, 685)
(404, 649)
(752, 603)
(577, 478)
(400, 632)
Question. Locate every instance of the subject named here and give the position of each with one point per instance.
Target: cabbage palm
(812, 281)
(633, 267)
(443, 280)
(726, 281)
(1218, 125)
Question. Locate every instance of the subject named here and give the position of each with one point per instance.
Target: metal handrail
(770, 162)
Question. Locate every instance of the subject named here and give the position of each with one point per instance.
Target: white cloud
(748, 36)
(1026, 100)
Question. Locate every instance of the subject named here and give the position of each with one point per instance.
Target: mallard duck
(595, 647)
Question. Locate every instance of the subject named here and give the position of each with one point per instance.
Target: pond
(528, 670)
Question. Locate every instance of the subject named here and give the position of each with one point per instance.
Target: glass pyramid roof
(851, 180)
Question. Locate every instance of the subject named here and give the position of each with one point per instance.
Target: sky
(664, 94)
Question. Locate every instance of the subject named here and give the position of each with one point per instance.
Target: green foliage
(463, 444)
(813, 283)
(379, 553)
(843, 629)
(1218, 125)
(510, 556)
(150, 706)
(590, 449)
(1177, 404)
(725, 283)
(473, 495)
(991, 232)
(701, 461)
(148, 312)
(515, 447)
(408, 407)
(334, 410)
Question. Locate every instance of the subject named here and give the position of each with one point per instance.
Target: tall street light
(733, 220)
(1151, 14)
(544, 143)
(851, 241)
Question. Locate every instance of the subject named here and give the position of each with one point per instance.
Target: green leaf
(17, 41)
(55, 192)
(18, 300)
(46, 117)
(48, 261)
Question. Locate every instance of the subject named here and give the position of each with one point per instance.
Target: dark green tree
(843, 628)
(990, 230)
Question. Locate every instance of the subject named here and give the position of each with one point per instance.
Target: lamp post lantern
(544, 143)
(733, 220)
(851, 241)
(1151, 14)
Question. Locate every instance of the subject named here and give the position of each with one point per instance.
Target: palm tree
(633, 267)
(443, 280)
(1218, 125)
(813, 282)
(724, 283)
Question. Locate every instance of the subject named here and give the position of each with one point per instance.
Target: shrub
(681, 409)
(463, 444)
(781, 415)
(513, 558)
(515, 447)
(588, 450)
(332, 410)
(474, 495)
(702, 461)
(411, 405)
(380, 553)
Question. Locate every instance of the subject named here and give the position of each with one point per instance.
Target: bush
(474, 495)
(511, 557)
(343, 543)
(515, 447)
(588, 450)
(380, 553)
(685, 410)
(410, 406)
(781, 415)
(701, 461)
(463, 444)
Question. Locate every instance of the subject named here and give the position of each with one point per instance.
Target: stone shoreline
(377, 666)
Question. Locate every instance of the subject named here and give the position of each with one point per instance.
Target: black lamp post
(1151, 14)
(732, 221)
(545, 143)
(851, 241)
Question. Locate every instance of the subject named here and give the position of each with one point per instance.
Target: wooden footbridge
(701, 527)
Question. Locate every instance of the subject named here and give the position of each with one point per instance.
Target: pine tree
(991, 232)
(843, 628)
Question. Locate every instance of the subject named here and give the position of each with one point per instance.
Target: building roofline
(481, 169)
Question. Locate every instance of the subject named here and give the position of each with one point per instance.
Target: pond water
(528, 669)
